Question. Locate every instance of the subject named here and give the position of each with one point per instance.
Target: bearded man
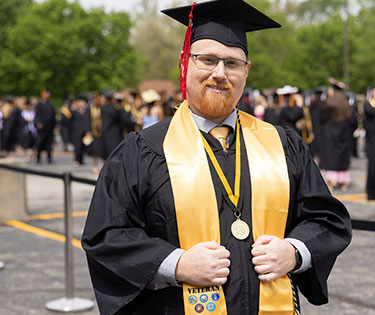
(212, 211)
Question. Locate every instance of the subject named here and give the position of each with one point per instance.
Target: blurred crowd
(330, 120)
(92, 124)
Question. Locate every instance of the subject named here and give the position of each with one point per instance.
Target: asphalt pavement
(33, 250)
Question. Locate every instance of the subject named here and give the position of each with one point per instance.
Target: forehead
(210, 46)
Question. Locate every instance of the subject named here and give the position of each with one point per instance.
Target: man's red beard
(215, 105)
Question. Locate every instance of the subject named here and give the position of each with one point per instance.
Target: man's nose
(219, 71)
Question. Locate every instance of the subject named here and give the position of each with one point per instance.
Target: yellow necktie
(221, 133)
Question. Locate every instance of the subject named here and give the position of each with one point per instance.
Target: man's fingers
(263, 239)
(260, 260)
(268, 277)
(210, 245)
(221, 253)
(263, 269)
(258, 250)
(226, 262)
(219, 281)
(223, 272)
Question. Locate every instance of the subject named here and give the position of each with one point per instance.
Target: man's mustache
(217, 85)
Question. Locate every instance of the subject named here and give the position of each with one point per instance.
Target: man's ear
(248, 66)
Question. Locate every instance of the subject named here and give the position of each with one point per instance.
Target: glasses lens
(207, 61)
(233, 64)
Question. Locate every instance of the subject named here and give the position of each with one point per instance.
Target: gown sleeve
(122, 256)
(317, 219)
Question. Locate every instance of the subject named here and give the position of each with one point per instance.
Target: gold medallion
(240, 229)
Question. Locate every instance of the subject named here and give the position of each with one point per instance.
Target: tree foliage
(363, 59)
(59, 45)
(158, 39)
(9, 9)
(71, 50)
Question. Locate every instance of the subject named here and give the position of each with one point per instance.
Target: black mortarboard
(108, 93)
(225, 21)
(320, 89)
(337, 84)
(9, 99)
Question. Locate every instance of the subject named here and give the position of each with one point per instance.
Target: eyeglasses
(209, 62)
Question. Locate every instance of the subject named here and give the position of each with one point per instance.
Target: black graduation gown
(370, 149)
(246, 107)
(45, 114)
(114, 121)
(315, 114)
(27, 134)
(78, 129)
(11, 130)
(131, 226)
(289, 115)
(369, 123)
(271, 115)
(65, 128)
(336, 144)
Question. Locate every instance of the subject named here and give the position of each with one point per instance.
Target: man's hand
(204, 264)
(273, 257)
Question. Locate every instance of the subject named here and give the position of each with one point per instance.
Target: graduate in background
(78, 128)
(290, 113)
(369, 111)
(45, 122)
(28, 131)
(212, 210)
(65, 125)
(272, 112)
(336, 135)
(10, 124)
(107, 122)
(316, 108)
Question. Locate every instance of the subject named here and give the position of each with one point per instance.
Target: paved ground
(34, 264)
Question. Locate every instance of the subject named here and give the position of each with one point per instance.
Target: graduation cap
(321, 91)
(226, 21)
(8, 99)
(107, 93)
(287, 90)
(337, 84)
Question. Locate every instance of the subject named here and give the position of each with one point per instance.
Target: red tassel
(185, 54)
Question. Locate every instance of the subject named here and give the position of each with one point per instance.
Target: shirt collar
(206, 125)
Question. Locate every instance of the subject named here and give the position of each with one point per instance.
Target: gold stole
(96, 121)
(196, 206)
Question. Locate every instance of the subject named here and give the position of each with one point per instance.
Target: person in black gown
(290, 113)
(106, 123)
(11, 124)
(336, 137)
(131, 236)
(79, 127)
(369, 111)
(316, 108)
(45, 122)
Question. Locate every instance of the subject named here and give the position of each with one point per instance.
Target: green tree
(60, 45)
(363, 58)
(320, 52)
(9, 10)
(272, 51)
(158, 40)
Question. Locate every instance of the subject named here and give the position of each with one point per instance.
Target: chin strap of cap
(184, 57)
